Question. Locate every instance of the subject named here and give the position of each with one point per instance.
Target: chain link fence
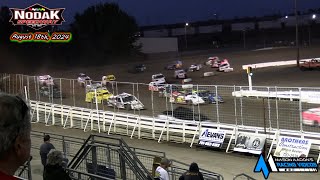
(196, 102)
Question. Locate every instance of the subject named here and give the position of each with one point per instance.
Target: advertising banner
(250, 143)
(292, 147)
(211, 137)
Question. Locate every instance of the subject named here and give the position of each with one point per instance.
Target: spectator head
(46, 138)
(55, 157)
(15, 127)
(194, 167)
(165, 163)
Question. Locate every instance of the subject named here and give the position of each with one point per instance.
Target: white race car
(211, 61)
(125, 101)
(158, 78)
(83, 79)
(154, 86)
(195, 67)
(45, 80)
(192, 99)
(225, 66)
(180, 74)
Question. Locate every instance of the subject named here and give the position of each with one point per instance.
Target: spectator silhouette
(15, 139)
(193, 173)
(45, 149)
(54, 169)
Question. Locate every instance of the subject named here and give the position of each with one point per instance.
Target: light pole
(185, 34)
(310, 24)
(244, 38)
(297, 33)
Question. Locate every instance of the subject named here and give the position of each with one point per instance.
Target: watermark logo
(37, 16)
(285, 165)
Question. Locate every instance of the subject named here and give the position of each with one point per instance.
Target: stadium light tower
(297, 33)
(185, 34)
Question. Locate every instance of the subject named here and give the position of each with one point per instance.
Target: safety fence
(207, 103)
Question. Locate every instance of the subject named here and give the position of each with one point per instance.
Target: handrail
(80, 151)
(87, 174)
(245, 175)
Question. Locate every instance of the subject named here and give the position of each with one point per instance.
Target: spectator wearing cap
(45, 149)
(15, 139)
(54, 169)
(193, 173)
(161, 171)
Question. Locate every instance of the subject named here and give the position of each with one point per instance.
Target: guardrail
(272, 64)
(151, 128)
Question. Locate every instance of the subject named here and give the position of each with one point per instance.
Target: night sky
(150, 12)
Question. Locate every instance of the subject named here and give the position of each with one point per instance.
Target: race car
(309, 65)
(195, 67)
(83, 79)
(182, 114)
(154, 86)
(92, 87)
(45, 80)
(311, 117)
(108, 79)
(102, 96)
(208, 96)
(169, 90)
(125, 101)
(140, 68)
(224, 66)
(158, 78)
(180, 74)
(51, 91)
(190, 99)
(212, 61)
(174, 65)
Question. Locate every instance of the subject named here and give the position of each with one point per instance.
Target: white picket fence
(135, 125)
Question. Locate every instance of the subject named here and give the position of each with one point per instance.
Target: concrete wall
(158, 45)
(242, 26)
(156, 33)
(269, 24)
(210, 29)
(182, 31)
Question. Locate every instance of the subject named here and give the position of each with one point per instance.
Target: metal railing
(24, 171)
(177, 168)
(107, 154)
(243, 175)
(95, 146)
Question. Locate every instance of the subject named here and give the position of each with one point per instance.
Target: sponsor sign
(285, 165)
(211, 137)
(37, 16)
(292, 147)
(250, 143)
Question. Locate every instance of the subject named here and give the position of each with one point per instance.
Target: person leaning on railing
(193, 173)
(15, 127)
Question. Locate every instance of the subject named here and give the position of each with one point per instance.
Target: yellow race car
(102, 96)
(108, 79)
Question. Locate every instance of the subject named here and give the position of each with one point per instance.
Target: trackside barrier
(147, 127)
(272, 64)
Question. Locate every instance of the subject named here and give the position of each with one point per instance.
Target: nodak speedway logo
(285, 165)
(37, 16)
